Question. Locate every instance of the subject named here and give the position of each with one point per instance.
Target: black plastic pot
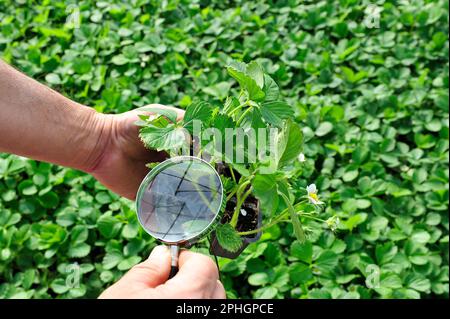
(219, 251)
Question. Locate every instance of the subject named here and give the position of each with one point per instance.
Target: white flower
(243, 212)
(301, 157)
(312, 194)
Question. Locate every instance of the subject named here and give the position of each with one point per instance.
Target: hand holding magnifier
(179, 202)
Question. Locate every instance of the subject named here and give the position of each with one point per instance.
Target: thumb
(152, 272)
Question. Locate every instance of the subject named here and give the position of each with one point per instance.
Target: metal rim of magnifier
(160, 167)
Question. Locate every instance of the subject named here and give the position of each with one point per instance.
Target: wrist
(92, 139)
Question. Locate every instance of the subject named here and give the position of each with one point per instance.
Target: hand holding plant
(120, 165)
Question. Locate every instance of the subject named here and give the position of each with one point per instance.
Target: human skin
(197, 278)
(39, 123)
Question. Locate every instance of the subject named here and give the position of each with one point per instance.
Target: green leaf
(59, 286)
(28, 278)
(237, 65)
(420, 236)
(103, 198)
(200, 111)
(170, 114)
(228, 238)
(49, 200)
(327, 261)
(79, 250)
(129, 262)
(324, 128)
(130, 230)
(418, 282)
(424, 141)
(355, 220)
(108, 226)
(53, 78)
(112, 259)
(302, 251)
(219, 90)
(350, 176)
(300, 273)
(275, 112)
(119, 60)
(266, 293)
(77, 292)
(254, 92)
(106, 276)
(168, 138)
(266, 191)
(385, 253)
(258, 279)
(271, 90)
(53, 32)
(82, 65)
(79, 234)
(294, 142)
(27, 187)
(255, 71)
(222, 122)
(391, 281)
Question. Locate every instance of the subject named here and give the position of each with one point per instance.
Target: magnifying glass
(179, 202)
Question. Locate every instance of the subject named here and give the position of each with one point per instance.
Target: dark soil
(247, 222)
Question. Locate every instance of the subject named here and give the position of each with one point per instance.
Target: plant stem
(240, 200)
(242, 186)
(298, 229)
(241, 118)
(246, 194)
(238, 108)
(232, 174)
(313, 218)
(237, 210)
(230, 195)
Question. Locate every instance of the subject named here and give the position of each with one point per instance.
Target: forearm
(39, 123)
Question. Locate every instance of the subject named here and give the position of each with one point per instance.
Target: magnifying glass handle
(174, 252)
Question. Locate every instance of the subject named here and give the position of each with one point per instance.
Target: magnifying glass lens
(179, 199)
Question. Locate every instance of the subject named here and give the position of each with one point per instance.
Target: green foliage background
(373, 104)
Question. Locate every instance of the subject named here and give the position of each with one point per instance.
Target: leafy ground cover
(372, 104)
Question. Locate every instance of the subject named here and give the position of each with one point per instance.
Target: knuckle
(148, 268)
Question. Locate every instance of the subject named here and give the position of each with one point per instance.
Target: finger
(219, 292)
(132, 116)
(180, 112)
(152, 272)
(196, 278)
(191, 261)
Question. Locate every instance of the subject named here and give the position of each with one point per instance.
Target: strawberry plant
(252, 139)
